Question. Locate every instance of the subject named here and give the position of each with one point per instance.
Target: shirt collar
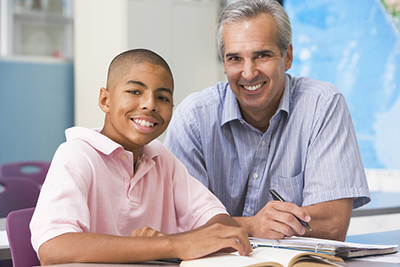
(231, 110)
(102, 143)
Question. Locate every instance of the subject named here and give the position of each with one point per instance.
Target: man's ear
(104, 100)
(289, 57)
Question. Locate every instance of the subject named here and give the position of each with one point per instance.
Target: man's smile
(253, 87)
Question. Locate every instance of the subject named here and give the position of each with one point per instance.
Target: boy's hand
(146, 231)
(209, 239)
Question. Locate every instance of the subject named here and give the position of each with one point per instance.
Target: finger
(286, 214)
(293, 209)
(135, 233)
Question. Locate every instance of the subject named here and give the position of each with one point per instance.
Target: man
(264, 129)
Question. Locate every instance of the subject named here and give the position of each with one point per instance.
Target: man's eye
(264, 56)
(134, 92)
(233, 58)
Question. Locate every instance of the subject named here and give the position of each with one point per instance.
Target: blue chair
(36, 170)
(19, 238)
(17, 193)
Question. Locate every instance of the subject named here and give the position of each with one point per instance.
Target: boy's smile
(138, 105)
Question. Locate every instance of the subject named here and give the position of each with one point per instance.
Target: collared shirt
(92, 187)
(309, 154)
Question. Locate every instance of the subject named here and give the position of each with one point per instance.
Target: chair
(36, 170)
(17, 193)
(19, 238)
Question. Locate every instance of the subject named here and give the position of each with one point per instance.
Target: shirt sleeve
(195, 204)
(183, 139)
(334, 167)
(62, 204)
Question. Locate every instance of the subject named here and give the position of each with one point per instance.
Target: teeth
(254, 87)
(144, 123)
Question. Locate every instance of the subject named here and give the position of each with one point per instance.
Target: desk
(381, 203)
(5, 253)
(384, 238)
(2, 224)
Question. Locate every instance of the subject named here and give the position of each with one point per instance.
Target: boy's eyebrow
(137, 82)
(145, 86)
(165, 90)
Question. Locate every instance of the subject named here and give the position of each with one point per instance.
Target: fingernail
(308, 218)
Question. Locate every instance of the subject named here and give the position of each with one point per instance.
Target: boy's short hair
(122, 62)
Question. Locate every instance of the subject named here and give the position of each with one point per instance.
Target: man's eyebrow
(266, 51)
(231, 54)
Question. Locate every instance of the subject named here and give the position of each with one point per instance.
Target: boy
(112, 196)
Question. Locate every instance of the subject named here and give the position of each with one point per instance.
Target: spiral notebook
(325, 246)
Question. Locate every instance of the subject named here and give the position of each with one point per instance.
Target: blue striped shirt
(309, 154)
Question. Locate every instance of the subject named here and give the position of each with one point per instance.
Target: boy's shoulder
(83, 144)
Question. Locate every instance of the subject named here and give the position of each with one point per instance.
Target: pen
(276, 196)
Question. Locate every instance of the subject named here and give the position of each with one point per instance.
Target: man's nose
(249, 71)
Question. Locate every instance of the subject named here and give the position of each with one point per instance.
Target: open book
(266, 256)
(325, 246)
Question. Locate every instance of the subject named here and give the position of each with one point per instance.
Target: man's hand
(275, 221)
(330, 220)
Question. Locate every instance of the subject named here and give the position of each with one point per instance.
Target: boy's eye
(134, 92)
(163, 98)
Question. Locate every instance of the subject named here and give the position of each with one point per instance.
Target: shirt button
(123, 157)
(255, 176)
(248, 210)
(263, 143)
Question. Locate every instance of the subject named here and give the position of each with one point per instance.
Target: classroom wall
(36, 106)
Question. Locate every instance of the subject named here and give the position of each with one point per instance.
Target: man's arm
(330, 219)
(276, 220)
(220, 232)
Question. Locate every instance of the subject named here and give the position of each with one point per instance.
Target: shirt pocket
(290, 188)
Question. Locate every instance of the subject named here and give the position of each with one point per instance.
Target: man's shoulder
(306, 85)
(210, 96)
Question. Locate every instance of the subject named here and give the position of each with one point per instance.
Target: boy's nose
(148, 103)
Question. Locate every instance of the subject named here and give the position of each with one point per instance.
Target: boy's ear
(104, 100)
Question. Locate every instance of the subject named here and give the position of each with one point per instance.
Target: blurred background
(54, 56)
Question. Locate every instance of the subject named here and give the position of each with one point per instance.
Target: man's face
(139, 106)
(254, 65)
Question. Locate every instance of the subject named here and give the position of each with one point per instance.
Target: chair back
(17, 193)
(19, 238)
(36, 170)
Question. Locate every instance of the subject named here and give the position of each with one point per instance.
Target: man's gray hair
(249, 9)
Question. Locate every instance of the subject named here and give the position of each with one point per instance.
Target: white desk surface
(376, 238)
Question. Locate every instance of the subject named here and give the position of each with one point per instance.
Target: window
(36, 28)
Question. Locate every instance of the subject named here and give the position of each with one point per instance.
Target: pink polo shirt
(92, 187)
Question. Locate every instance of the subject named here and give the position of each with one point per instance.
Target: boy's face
(138, 106)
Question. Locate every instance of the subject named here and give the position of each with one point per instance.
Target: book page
(265, 257)
(227, 260)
